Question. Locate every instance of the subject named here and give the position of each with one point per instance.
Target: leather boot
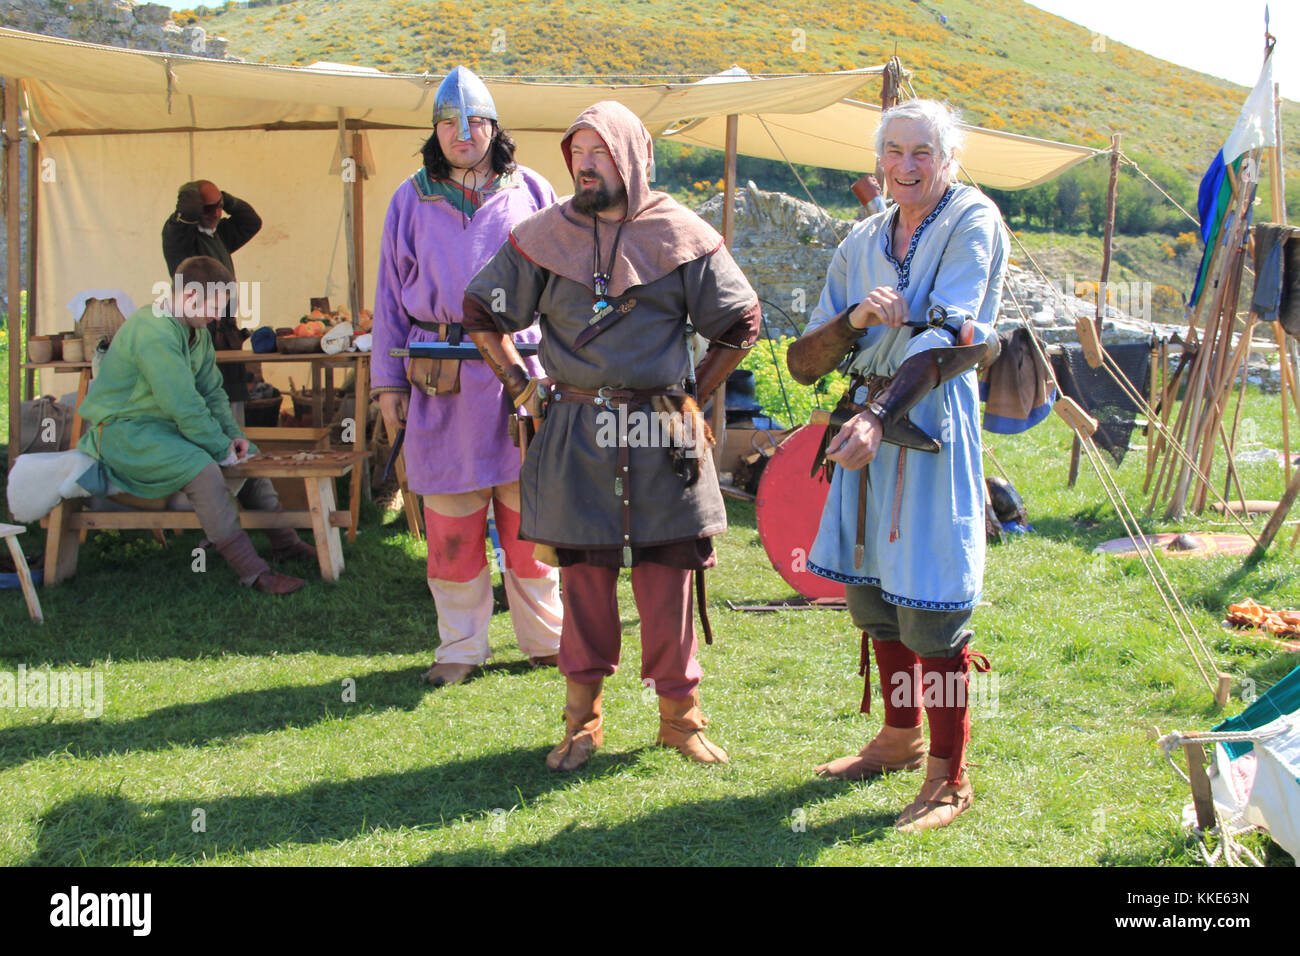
(582, 721)
(900, 745)
(947, 790)
(939, 802)
(440, 675)
(681, 725)
(287, 546)
(252, 570)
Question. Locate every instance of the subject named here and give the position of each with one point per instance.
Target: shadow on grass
(732, 831)
(222, 718)
(1084, 530)
(134, 600)
(106, 829)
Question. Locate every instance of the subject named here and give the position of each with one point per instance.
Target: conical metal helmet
(460, 96)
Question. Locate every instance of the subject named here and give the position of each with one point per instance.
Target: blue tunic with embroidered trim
(957, 260)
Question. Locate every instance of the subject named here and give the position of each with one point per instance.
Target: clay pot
(40, 349)
(74, 350)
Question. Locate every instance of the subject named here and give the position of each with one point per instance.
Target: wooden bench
(316, 468)
(10, 533)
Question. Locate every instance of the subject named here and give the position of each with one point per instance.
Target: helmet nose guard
(462, 95)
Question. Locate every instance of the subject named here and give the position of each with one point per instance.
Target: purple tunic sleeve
(388, 374)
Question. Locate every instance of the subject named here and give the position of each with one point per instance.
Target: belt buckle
(601, 397)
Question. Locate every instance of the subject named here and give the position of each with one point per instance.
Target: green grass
(230, 702)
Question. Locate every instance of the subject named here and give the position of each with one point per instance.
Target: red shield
(789, 510)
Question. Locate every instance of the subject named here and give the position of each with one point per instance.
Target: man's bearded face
(590, 198)
(596, 183)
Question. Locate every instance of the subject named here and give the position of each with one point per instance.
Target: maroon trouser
(592, 633)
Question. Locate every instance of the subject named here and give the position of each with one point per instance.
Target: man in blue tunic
(911, 297)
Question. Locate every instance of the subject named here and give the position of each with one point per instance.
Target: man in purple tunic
(443, 224)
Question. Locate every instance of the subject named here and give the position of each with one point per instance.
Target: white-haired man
(911, 296)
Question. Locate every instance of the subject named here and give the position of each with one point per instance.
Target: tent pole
(1285, 370)
(1108, 238)
(1276, 176)
(1107, 243)
(13, 274)
(1284, 351)
(33, 205)
(360, 483)
(729, 182)
(345, 152)
(890, 81)
(359, 222)
(719, 423)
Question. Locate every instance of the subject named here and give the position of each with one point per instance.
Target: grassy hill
(1005, 64)
(1008, 65)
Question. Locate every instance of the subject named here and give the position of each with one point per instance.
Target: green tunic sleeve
(207, 381)
(166, 370)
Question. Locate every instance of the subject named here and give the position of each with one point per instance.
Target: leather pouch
(434, 376)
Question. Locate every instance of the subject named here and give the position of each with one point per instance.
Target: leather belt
(450, 332)
(611, 397)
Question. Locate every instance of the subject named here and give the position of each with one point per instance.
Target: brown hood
(659, 234)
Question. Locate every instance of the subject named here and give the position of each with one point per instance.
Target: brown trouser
(592, 631)
(215, 505)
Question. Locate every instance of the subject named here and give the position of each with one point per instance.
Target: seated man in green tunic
(160, 421)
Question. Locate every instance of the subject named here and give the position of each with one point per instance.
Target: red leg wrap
(519, 554)
(456, 545)
(900, 683)
(945, 691)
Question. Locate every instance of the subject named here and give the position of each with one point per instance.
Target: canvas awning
(840, 136)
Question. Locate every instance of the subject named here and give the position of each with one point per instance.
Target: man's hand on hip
(855, 445)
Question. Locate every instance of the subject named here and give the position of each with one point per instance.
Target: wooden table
(322, 400)
(317, 469)
(322, 378)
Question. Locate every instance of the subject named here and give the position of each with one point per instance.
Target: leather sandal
(939, 802)
(891, 750)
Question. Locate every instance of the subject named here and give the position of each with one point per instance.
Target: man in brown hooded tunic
(620, 275)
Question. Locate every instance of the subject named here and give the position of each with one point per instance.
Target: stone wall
(124, 23)
(785, 246)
